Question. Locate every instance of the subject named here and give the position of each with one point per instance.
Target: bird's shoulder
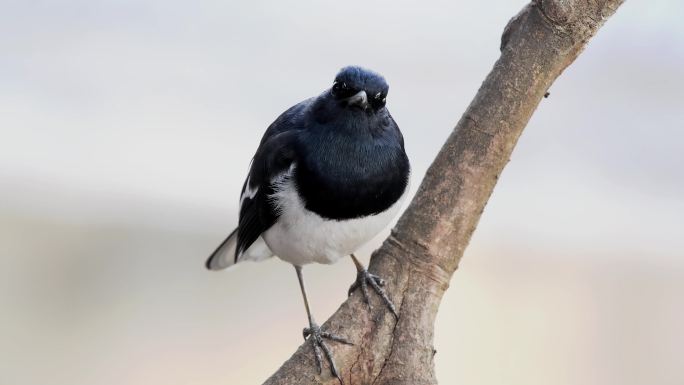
(278, 146)
(293, 119)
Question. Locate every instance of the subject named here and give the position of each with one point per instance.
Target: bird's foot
(365, 279)
(316, 337)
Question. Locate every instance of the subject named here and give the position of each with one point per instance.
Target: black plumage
(350, 161)
(329, 174)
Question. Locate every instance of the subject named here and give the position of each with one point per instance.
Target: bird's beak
(359, 99)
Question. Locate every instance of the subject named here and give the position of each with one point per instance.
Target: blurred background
(127, 127)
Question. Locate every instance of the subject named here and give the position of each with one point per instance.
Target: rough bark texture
(423, 251)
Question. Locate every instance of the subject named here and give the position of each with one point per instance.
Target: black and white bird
(329, 174)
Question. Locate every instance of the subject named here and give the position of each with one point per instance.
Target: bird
(329, 174)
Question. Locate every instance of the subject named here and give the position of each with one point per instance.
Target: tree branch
(424, 249)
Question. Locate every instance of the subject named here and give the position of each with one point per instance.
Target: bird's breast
(349, 180)
(301, 236)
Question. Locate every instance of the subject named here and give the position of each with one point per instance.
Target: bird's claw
(363, 280)
(316, 337)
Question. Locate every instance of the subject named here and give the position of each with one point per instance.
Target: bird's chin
(356, 109)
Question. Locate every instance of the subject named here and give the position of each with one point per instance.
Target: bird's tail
(224, 256)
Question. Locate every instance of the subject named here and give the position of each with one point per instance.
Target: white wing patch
(249, 193)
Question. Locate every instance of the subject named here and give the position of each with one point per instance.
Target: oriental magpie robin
(329, 174)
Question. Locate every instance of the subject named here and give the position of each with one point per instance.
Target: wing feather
(275, 155)
(257, 212)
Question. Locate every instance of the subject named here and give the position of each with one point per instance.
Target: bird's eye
(378, 100)
(339, 86)
(342, 90)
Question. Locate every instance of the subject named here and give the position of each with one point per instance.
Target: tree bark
(424, 249)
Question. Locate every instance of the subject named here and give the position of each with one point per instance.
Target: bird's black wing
(275, 155)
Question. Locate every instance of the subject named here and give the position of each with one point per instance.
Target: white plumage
(224, 256)
(301, 236)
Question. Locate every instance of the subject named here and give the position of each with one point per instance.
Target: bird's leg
(315, 335)
(365, 279)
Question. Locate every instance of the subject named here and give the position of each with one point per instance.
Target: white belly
(300, 236)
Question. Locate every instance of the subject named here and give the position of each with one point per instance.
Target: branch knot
(420, 262)
(558, 12)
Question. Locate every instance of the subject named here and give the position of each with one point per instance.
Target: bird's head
(359, 88)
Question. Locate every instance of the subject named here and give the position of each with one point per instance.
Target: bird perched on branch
(329, 174)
